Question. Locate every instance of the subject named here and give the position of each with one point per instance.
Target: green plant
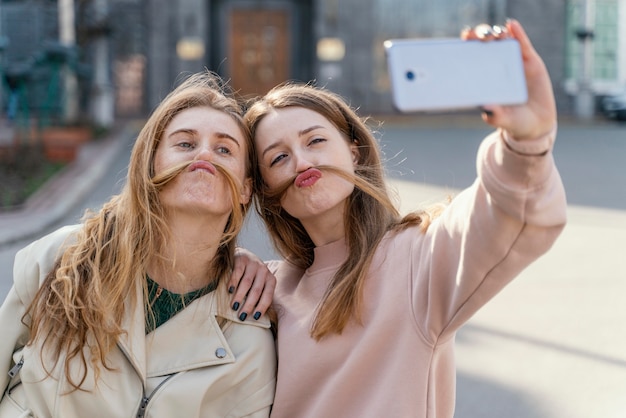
(23, 175)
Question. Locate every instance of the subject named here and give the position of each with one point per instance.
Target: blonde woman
(128, 314)
(369, 302)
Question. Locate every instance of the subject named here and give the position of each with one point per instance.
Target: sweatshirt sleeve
(489, 233)
(30, 268)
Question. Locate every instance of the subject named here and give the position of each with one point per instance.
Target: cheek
(159, 162)
(238, 167)
(345, 159)
(273, 178)
(158, 165)
(266, 175)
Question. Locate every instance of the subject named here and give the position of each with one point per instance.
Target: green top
(164, 304)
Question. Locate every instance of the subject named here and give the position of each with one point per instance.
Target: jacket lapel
(190, 339)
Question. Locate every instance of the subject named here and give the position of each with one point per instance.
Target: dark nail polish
(487, 112)
(243, 316)
(231, 289)
(235, 306)
(257, 315)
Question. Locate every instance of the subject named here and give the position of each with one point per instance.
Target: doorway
(257, 45)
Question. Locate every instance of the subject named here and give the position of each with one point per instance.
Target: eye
(317, 140)
(182, 140)
(185, 144)
(224, 150)
(277, 159)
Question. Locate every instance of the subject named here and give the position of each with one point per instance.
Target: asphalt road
(552, 344)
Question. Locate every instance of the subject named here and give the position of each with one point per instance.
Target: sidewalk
(73, 183)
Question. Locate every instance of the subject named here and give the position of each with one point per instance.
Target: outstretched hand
(537, 116)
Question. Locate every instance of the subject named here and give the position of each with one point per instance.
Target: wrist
(536, 145)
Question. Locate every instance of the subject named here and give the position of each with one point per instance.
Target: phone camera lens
(410, 75)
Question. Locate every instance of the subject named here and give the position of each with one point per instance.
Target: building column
(585, 99)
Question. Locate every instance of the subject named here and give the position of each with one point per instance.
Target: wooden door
(258, 52)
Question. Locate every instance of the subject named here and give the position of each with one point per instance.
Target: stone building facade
(336, 43)
(256, 44)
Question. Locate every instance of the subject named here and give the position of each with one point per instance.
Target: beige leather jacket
(188, 367)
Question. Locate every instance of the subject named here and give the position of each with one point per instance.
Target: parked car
(614, 106)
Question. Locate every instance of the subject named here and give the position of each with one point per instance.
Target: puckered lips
(308, 177)
(202, 166)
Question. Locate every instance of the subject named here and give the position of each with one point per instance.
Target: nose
(302, 162)
(204, 152)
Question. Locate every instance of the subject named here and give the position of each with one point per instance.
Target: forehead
(205, 119)
(286, 122)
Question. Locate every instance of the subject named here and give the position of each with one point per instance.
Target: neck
(187, 261)
(326, 228)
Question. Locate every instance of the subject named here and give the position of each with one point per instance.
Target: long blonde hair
(79, 308)
(370, 213)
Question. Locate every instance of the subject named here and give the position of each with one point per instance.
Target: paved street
(552, 344)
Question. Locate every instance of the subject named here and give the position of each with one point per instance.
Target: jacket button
(220, 353)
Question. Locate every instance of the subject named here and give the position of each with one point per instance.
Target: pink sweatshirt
(421, 288)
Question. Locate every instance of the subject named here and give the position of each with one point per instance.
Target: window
(604, 15)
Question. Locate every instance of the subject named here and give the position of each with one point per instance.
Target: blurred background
(93, 61)
(88, 72)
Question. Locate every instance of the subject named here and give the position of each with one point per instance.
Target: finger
(251, 307)
(466, 32)
(265, 301)
(486, 113)
(254, 294)
(469, 34)
(517, 31)
(245, 283)
(500, 32)
(239, 269)
(484, 32)
(490, 114)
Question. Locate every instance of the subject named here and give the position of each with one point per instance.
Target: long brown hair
(79, 308)
(370, 212)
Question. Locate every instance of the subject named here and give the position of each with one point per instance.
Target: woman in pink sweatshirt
(368, 301)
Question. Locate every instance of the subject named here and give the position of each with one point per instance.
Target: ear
(246, 191)
(354, 149)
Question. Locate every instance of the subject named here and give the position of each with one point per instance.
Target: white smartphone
(451, 74)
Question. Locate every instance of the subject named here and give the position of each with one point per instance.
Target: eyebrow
(227, 136)
(280, 142)
(221, 135)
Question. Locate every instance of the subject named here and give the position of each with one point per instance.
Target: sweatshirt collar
(327, 256)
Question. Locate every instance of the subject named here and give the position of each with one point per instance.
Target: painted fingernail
(257, 315)
(231, 289)
(243, 316)
(487, 112)
(235, 306)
